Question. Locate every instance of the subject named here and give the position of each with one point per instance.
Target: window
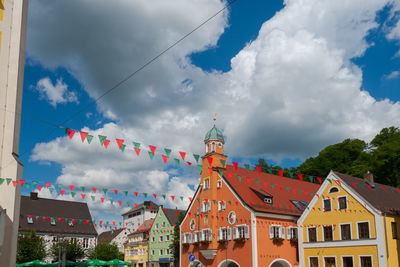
(206, 184)
(52, 221)
(219, 144)
(366, 261)
(224, 233)
(219, 184)
(167, 238)
(241, 231)
(166, 251)
(207, 148)
(314, 262)
(342, 203)
(85, 243)
(70, 223)
(312, 234)
(152, 252)
(328, 233)
(213, 147)
(161, 252)
(291, 233)
(207, 235)
(348, 262)
(161, 238)
(345, 231)
(30, 220)
(154, 239)
(196, 236)
(330, 261)
(268, 200)
(187, 238)
(221, 205)
(333, 190)
(394, 230)
(205, 206)
(156, 225)
(363, 230)
(327, 205)
(300, 205)
(276, 231)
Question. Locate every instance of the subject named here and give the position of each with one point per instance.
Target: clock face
(232, 217)
(192, 224)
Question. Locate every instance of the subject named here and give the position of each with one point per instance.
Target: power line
(118, 84)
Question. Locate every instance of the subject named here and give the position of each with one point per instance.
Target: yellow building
(351, 222)
(137, 249)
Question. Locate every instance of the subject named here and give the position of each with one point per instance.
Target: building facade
(13, 16)
(351, 222)
(242, 217)
(117, 237)
(137, 216)
(137, 248)
(161, 235)
(55, 220)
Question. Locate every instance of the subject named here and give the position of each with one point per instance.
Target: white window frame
(167, 238)
(289, 232)
(206, 185)
(323, 259)
(219, 183)
(323, 203)
(153, 252)
(369, 229)
(316, 233)
(347, 256)
(338, 205)
(359, 259)
(160, 252)
(323, 233)
(205, 236)
(272, 231)
(161, 238)
(309, 260)
(166, 251)
(351, 231)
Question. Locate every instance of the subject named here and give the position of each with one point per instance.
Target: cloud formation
(55, 93)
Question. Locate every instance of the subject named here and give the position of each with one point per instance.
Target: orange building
(242, 217)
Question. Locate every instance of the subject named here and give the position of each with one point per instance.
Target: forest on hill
(355, 157)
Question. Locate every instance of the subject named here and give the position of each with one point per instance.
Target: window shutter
(271, 232)
(190, 238)
(282, 232)
(210, 235)
(224, 205)
(219, 235)
(209, 205)
(289, 233)
(195, 237)
(219, 205)
(247, 231)
(234, 232)
(229, 233)
(184, 239)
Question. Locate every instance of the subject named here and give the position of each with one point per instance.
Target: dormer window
(53, 221)
(268, 200)
(333, 190)
(30, 220)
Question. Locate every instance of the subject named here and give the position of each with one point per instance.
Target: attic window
(333, 190)
(268, 200)
(300, 205)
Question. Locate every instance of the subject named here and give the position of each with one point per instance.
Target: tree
(176, 238)
(30, 247)
(104, 252)
(74, 251)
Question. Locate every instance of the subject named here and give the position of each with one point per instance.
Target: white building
(54, 219)
(136, 216)
(117, 237)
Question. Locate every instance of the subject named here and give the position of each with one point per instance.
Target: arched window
(207, 148)
(213, 147)
(333, 190)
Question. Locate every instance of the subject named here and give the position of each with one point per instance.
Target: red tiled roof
(282, 190)
(144, 227)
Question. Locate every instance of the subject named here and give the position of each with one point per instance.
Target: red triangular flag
(71, 133)
(189, 163)
(106, 143)
(280, 173)
(155, 195)
(210, 160)
(39, 187)
(102, 200)
(136, 193)
(173, 198)
(354, 184)
(183, 154)
(319, 180)
(120, 202)
(235, 164)
(248, 179)
(116, 191)
(230, 175)
(62, 192)
(300, 176)
(15, 183)
(258, 169)
(190, 199)
(21, 182)
(83, 135)
(72, 187)
(153, 149)
(137, 151)
(94, 189)
(177, 212)
(165, 158)
(136, 206)
(83, 196)
(210, 169)
(47, 185)
(120, 142)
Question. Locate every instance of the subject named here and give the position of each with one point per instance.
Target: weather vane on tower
(215, 117)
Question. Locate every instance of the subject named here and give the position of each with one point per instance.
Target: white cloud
(290, 92)
(55, 93)
(393, 75)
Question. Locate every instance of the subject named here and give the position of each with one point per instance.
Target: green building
(161, 234)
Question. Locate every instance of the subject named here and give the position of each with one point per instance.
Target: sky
(285, 78)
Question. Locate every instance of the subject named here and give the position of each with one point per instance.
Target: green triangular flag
(102, 138)
(51, 189)
(89, 138)
(27, 185)
(123, 147)
(287, 188)
(257, 182)
(145, 194)
(272, 185)
(310, 178)
(300, 192)
(200, 168)
(167, 151)
(196, 157)
(59, 186)
(270, 171)
(136, 145)
(105, 190)
(176, 161)
(240, 178)
(93, 197)
(221, 173)
(126, 193)
(34, 183)
(128, 203)
(1, 181)
(111, 201)
(181, 198)
(73, 194)
(198, 199)
(163, 196)
(8, 180)
(214, 201)
(330, 181)
(83, 188)
(291, 174)
(247, 166)
(223, 162)
(151, 155)
(230, 203)
(66, 130)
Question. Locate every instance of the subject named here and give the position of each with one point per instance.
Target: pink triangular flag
(83, 135)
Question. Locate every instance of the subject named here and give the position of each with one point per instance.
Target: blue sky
(272, 90)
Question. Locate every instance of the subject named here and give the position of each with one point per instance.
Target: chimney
(34, 196)
(369, 177)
